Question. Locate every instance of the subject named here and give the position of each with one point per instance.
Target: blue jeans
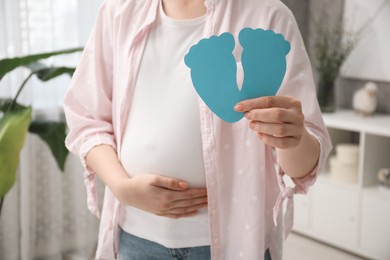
(135, 248)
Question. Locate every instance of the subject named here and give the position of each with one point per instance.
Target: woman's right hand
(160, 195)
(156, 194)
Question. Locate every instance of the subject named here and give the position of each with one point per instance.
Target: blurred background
(346, 215)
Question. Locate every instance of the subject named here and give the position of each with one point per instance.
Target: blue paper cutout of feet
(214, 69)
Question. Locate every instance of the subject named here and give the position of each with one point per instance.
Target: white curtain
(44, 216)
(34, 26)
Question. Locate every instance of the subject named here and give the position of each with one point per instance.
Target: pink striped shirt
(245, 189)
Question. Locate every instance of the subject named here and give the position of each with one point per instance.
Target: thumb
(169, 183)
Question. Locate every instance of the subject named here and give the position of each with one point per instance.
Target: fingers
(169, 183)
(274, 115)
(164, 196)
(182, 211)
(267, 102)
(279, 142)
(170, 196)
(182, 202)
(189, 203)
(186, 210)
(279, 135)
(276, 130)
(277, 120)
(191, 194)
(182, 208)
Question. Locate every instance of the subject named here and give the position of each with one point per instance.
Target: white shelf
(378, 124)
(325, 178)
(353, 216)
(378, 192)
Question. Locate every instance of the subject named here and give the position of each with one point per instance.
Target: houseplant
(332, 45)
(15, 118)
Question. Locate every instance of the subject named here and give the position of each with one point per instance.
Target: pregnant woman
(181, 181)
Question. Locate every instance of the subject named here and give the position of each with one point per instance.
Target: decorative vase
(325, 94)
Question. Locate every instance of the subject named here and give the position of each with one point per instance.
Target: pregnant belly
(162, 157)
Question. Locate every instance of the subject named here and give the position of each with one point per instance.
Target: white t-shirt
(163, 131)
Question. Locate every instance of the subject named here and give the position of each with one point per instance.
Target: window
(34, 26)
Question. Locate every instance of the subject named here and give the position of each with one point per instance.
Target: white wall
(370, 60)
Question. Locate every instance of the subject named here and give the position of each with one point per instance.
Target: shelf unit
(352, 216)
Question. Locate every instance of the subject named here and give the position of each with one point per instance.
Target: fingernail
(183, 185)
(260, 135)
(238, 108)
(248, 115)
(252, 124)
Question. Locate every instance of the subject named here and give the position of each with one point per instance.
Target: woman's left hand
(277, 120)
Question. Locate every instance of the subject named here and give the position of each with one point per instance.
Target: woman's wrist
(104, 161)
(298, 162)
(121, 187)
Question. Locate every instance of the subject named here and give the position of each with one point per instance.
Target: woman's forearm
(103, 160)
(297, 162)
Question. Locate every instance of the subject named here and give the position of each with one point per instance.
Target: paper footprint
(215, 77)
(263, 61)
(213, 69)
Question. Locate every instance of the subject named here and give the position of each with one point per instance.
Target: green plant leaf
(52, 72)
(9, 64)
(13, 130)
(5, 104)
(53, 134)
(46, 73)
